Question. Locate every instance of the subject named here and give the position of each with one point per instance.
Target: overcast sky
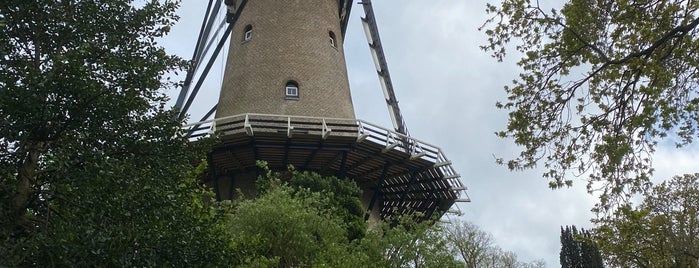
(447, 88)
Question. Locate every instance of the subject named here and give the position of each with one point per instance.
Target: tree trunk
(26, 178)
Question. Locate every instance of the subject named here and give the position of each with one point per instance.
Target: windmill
(285, 99)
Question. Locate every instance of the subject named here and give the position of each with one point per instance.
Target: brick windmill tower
(285, 99)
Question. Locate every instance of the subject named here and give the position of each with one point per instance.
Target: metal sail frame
(372, 34)
(204, 42)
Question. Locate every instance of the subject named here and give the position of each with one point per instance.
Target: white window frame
(292, 91)
(332, 38)
(248, 35)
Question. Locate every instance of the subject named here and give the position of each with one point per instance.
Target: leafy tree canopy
(282, 230)
(402, 242)
(92, 172)
(305, 219)
(663, 231)
(602, 82)
(297, 219)
(341, 196)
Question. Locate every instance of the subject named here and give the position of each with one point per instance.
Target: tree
(283, 230)
(602, 83)
(297, 219)
(476, 248)
(578, 250)
(470, 242)
(402, 242)
(571, 255)
(342, 196)
(92, 172)
(304, 219)
(497, 258)
(663, 231)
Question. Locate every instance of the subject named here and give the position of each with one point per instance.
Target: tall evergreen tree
(590, 251)
(568, 256)
(577, 250)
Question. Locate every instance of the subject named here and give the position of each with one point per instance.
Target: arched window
(247, 33)
(333, 40)
(292, 90)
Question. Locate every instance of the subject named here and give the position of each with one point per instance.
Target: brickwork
(290, 41)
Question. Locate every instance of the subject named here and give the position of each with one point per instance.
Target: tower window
(292, 90)
(333, 40)
(247, 33)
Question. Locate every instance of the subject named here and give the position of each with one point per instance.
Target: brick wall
(290, 41)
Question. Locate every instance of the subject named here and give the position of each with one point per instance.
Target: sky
(447, 88)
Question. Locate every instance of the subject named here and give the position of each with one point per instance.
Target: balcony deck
(405, 174)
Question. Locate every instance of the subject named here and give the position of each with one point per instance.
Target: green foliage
(343, 199)
(297, 219)
(602, 83)
(281, 228)
(663, 231)
(340, 196)
(92, 172)
(302, 219)
(578, 250)
(405, 243)
(124, 216)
